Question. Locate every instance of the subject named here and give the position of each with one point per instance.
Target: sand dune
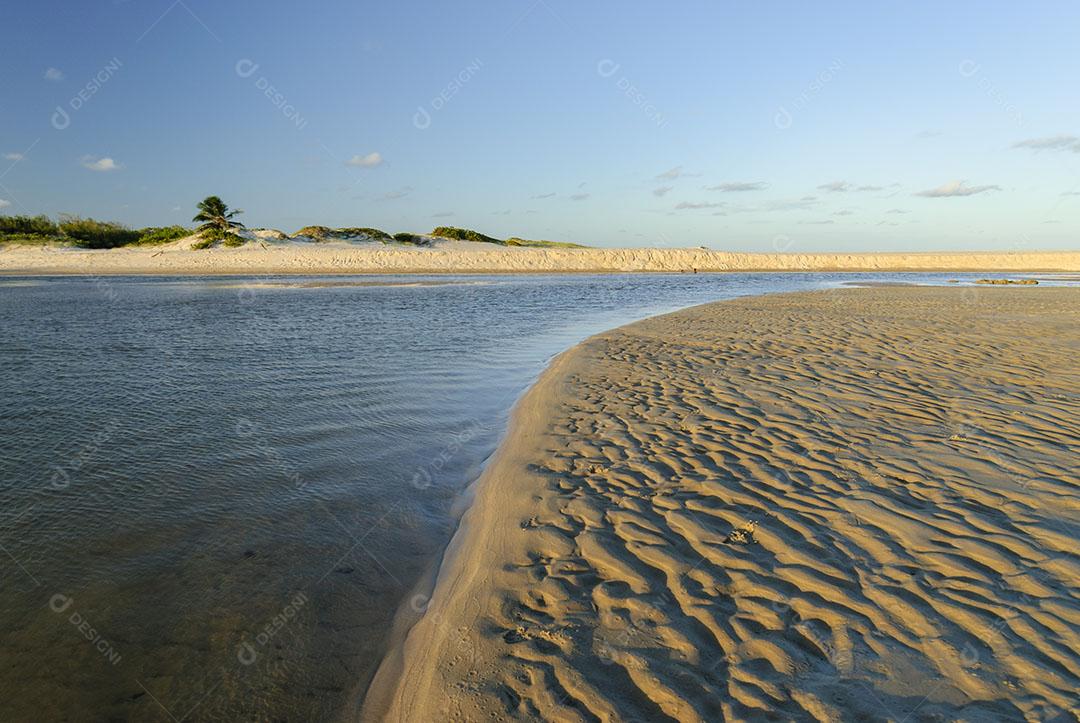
(267, 256)
(858, 504)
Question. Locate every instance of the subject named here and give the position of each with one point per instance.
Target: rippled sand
(858, 504)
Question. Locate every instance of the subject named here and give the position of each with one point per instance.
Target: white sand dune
(858, 504)
(267, 254)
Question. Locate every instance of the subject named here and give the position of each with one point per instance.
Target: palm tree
(215, 215)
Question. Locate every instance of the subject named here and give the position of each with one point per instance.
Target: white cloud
(845, 212)
(392, 195)
(1052, 143)
(844, 187)
(4, 204)
(670, 175)
(684, 205)
(543, 195)
(102, 164)
(738, 186)
(14, 156)
(54, 74)
(659, 192)
(579, 196)
(956, 189)
(369, 161)
(770, 206)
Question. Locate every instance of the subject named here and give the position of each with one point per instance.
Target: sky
(766, 126)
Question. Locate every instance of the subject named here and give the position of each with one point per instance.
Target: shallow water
(214, 493)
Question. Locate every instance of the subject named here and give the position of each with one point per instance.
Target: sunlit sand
(843, 505)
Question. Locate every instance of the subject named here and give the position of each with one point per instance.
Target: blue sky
(758, 127)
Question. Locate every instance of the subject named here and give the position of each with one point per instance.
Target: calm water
(214, 493)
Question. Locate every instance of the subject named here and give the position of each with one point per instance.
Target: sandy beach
(856, 504)
(447, 256)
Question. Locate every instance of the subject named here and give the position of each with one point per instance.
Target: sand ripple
(854, 504)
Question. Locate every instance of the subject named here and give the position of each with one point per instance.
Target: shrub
(409, 238)
(315, 232)
(360, 231)
(214, 235)
(163, 234)
(464, 234)
(28, 226)
(91, 234)
(325, 233)
(515, 241)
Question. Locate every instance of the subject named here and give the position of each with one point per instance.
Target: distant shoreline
(462, 257)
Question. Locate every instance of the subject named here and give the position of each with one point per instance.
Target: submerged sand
(856, 504)
(297, 257)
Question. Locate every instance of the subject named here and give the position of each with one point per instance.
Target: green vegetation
(91, 234)
(217, 224)
(515, 241)
(318, 233)
(160, 235)
(28, 227)
(362, 231)
(215, 215)
(84, 232)
(325, 233)
(464, 234)
(217, 227)
(214, 235)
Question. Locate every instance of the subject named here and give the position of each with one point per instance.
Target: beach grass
(466, 234)
(85, 233)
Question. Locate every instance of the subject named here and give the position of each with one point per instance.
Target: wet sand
(295, 257)
(852, 504)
